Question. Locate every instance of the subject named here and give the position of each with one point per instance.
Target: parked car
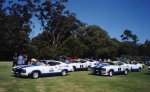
(97, 69)
(114, 68)
(123, 64)
(40, 68)
(143, 64)
(148, 69)
(81, 64)
(136, 67)
(91, 63)
(77, 64)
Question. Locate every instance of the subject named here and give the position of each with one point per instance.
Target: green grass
(81, 81)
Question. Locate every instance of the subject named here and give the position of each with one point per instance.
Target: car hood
(25, 66)
(99, 66)
(110, 66)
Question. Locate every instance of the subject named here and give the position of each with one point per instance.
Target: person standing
(15, 59)
(20, 59)
(25, 59)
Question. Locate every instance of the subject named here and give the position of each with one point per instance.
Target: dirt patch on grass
(2, 90)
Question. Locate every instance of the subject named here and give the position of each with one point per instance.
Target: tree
(110, 50)
(57, 21)
(129, 45)
(14, 28)
(58, 24)
(94, 38)
(128, 36)
(144, 49)
(73, 47)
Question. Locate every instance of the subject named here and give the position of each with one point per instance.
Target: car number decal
(119, 69)
(51, 70)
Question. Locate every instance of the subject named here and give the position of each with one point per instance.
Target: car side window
(53, 63)
(120, 63)
(82, 61)
(57, 63)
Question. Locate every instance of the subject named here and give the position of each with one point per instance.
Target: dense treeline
(62, 33)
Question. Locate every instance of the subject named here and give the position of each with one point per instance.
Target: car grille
(17, 70)
(98, 69)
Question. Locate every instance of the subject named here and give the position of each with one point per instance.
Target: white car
(112, 69)
(148, 69)
(91, 63)
(128, 66)
(40, 68)
(77, 65)
(81, 64)
(136, 67)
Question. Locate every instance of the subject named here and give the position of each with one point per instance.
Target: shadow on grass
(106, 75)
(98, 75)
(43, 76)
(147, 73)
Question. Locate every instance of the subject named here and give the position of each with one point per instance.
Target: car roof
(46, 61)
(53, 61)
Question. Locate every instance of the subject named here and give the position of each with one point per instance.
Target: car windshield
(111, 63)
(39, 63)
(102, 64)
(73, 61)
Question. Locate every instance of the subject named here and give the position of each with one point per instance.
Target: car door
(83, 64)
(54, 67)
(121, 66)
(117, 68)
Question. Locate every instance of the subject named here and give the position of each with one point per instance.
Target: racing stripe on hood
(25, 66)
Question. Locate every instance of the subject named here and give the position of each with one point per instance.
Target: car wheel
(126, 72)
(139, 69)
(131, 69)
(89, 68)
(35, 75)
(64, 72)
(74, 68)
(111, 73)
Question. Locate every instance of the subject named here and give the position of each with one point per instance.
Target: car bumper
(148, 70)
(19, 74)
(104, 73)
(70, 70)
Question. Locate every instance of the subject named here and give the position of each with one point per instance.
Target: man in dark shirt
(15, 59)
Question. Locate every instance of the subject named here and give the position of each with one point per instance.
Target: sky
(114, 16)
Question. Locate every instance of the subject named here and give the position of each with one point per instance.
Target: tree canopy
(61, 33)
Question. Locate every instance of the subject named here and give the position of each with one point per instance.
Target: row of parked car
(149, 69)
(116, 67)
(50, 67)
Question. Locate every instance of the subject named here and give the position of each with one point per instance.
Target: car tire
(131, 69)
(35, 75)
(139, 69)
(74, 68)
(64, 73)
(89, 68)
(110, 73)
(126, 72)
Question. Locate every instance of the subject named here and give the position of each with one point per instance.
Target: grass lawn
(81, 81)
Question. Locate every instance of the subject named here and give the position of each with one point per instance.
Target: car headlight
(23, 71)
(13, 69)
(66, 65)
(103, 69)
